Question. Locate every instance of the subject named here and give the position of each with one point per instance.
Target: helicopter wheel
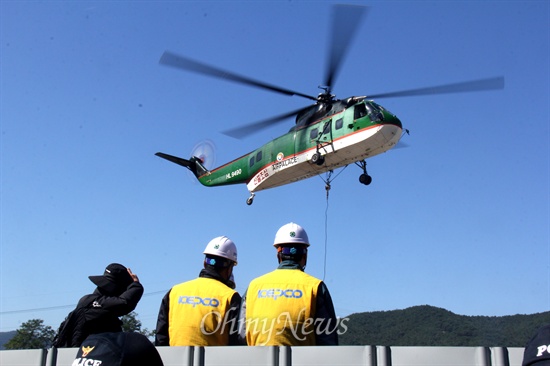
(365, 179)
(250, 199)
(318, 159)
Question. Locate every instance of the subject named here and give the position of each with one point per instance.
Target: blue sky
(459, 219)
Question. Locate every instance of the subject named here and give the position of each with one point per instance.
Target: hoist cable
(327, 181)
(327, 187)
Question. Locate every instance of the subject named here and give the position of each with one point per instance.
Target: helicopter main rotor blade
(185, 63)
(254, 127)
(345, 21)
(467, 86)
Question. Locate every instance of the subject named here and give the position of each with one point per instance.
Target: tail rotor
(206, 152)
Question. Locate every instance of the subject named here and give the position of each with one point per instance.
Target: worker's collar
(289, 264)
(209, 272)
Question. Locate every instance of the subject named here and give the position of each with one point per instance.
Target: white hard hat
(223, 247)
(291, 233)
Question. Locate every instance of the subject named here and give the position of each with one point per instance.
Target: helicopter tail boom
(193, 164)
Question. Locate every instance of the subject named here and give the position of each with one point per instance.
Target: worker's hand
(133, 275)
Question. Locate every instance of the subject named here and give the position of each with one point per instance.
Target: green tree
(130, 323)
(31, 335)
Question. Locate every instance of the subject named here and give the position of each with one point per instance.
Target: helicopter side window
(326, 128)
(255, 159)
(360, 111)
(339, 123)
(313, 133)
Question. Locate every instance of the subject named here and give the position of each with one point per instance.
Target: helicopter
(329, 134)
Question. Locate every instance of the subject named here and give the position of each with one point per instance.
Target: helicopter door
(318, 136)
(325, 133)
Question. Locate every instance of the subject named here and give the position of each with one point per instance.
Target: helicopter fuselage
(360, 130)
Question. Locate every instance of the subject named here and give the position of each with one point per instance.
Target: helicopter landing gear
(317, 158)
(250, 199)
(364, 178)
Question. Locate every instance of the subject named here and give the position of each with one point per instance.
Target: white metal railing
(295, 356)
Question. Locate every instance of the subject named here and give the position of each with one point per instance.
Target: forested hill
(431, 326)
(5, 337)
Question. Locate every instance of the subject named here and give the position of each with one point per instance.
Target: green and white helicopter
(327, 135)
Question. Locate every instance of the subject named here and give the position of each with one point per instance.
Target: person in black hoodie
(118, 293)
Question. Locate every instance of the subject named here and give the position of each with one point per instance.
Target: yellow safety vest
(280, 307)
(197, 313)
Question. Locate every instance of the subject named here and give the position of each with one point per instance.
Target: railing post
(383, 356)
(500, 356)
(51, 357)
(285, 356)
(372, 360)
(198, 356)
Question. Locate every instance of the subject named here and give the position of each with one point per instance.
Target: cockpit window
(378, 107)
(360, 111)
(374, 111)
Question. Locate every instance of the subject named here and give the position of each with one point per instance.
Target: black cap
(115, 279)
(537, 351)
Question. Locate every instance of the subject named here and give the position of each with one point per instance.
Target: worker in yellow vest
(288, 307)
(203, 311)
